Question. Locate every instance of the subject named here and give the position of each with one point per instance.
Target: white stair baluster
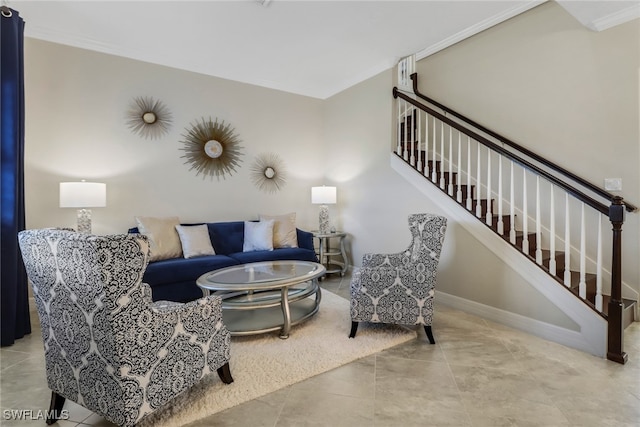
(552, 233)
(442, 156)
(412, 148)
(450, 188)
(426, 145)
(405, 155)
(567, 243)
(399, 147)
(525, 214)
(469, 195)
(434, 174)
(512, 208)
(538, 224)
(458, 184)
(582, 285)
(500, 220)
(478, 186)
(489, 216)
(598, 300)
(419, 164)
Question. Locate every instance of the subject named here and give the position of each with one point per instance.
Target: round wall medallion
(148, 117)
(211, 148)
(268, 173)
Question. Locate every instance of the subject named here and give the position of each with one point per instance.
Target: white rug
(265, 363)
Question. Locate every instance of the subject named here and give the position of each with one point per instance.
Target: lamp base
(84, 221)
(324, 219)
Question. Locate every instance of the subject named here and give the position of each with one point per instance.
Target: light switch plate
(613, 184)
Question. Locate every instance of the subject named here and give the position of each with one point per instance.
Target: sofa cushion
(258, 236)
(164, 239)
(299, 254)
(195, 240)
(180, 269)
(284, 230)
(226, 237)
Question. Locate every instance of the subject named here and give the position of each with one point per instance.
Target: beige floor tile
(325, 409)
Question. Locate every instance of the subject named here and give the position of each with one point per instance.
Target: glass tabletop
(261, 275)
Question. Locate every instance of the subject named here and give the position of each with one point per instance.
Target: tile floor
(478, 374)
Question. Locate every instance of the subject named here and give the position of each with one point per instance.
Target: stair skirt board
(592, 336)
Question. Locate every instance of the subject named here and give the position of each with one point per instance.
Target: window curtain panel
(14, 298)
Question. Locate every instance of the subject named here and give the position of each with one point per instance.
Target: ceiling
(312, 48)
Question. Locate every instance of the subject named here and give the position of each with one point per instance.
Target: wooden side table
(334, 259)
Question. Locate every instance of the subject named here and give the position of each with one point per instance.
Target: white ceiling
(312, 48)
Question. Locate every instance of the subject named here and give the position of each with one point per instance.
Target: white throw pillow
(258, 236)
(162, 234)
(284, 230)
(195, 240)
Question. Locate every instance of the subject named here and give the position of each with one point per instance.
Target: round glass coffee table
(265, 296)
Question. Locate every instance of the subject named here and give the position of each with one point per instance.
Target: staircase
(553, 218)
(529, 250)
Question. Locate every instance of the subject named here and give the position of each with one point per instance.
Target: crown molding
(477, 28)
(616, 18)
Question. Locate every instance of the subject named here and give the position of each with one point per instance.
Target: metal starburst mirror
(148, 117)
(268, 173)
(212, 148)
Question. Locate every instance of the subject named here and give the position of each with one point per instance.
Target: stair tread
(626, 302)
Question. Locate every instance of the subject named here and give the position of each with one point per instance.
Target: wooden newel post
(615, 339)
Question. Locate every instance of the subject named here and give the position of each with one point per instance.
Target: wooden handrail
(601, 207)
(629, 207)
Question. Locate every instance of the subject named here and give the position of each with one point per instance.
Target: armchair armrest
(202, 317)
(394, 260)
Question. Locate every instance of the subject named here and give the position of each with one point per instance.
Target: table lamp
(83, 195)
(323, 196)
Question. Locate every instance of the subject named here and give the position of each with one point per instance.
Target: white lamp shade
(323, 195)
(83, 194)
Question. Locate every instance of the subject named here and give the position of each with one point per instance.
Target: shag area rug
(261, 364)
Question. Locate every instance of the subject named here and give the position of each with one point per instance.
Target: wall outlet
(613, 184)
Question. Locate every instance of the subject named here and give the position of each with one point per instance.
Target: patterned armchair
(107, 346)
(399, 288)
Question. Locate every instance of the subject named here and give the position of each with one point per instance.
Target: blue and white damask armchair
(399, 288)
(107, 346)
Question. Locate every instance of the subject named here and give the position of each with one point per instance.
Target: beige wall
(76, 102)
(563, 91)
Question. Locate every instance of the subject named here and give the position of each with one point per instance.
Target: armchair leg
(427, 329)
(354, 329)
(225, 373)
(55, 408)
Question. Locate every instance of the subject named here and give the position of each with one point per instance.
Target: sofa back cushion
(227, 237)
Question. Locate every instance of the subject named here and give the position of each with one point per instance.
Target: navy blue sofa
(175, 279)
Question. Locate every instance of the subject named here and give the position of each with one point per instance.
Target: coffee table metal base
(250, 313)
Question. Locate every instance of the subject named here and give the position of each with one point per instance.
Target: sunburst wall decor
(148, 117)
(268, 172)
(212, 148)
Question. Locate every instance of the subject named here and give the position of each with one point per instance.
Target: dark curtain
(14, 300)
